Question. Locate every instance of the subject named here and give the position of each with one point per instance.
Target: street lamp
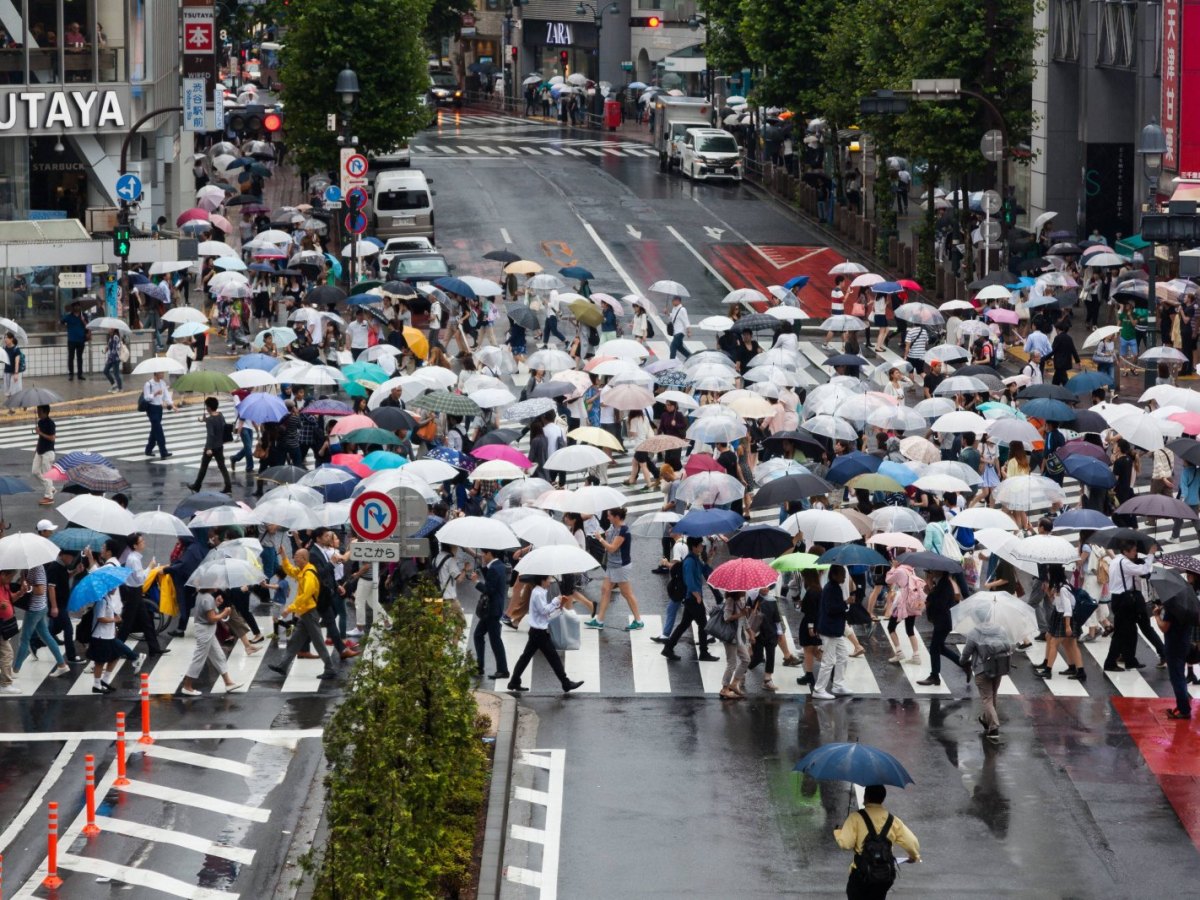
(346, 88)
(582, 9)
(1152, 146)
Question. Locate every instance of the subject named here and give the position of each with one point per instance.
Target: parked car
(710, 153)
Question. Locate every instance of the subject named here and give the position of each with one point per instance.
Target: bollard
(91, 829)
(145, 738)
(121, 780)
(52, 881)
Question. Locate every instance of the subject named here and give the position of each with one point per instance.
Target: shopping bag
(565, 631)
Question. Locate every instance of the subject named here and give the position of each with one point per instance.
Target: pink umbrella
(1003, 316)
(1096, 248)
(503, 452)
(352, 423)
(195, 214)
(221, 222)
(1189, 420)
(742, 575)
(351, 461)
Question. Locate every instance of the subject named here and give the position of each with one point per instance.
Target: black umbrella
(1091, 422)
(244, 200)
(401, 290)
(789, 488)
(1186, 449)
(1033, 265)
(502, 256)
(283, 474)
(1158, 506)
(553, 389)
(760, 542)
(995, 278)
(327, 294)
(1066, 248)
(393, 418)
(801, 440)
(844, 359)
(1047, 391)
(1177, 595)
(499, 436)
(523, 316)
(756, 322)
(1113, 537)
(931, 562)
(201, 501)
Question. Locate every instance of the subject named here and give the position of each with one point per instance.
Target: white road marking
(167, 675)
(651, 672)
(584, 664)
(284, 737)
(191, 758)
(549, 837)
(150, 834)
(704, 262)
(492, 150)
(612, 260)
(505, 236)
(1058, 685)
(199, 801)
(714, 233)
(633, 232)
(572, 151)
(34, 804)
(144, 878)
(1130, 682)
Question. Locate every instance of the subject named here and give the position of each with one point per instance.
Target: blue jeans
(677, 346)
(35, 621)
(112, 371)
(158, 437)
(551, 328)
(247, 451)
(672, 612)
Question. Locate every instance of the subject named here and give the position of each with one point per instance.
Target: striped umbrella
(102, 479)
(68, 461)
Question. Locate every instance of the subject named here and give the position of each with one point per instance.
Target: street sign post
(194, 107)
(129, 187)
(356, 199)
(352, 171)
(356, 222)
(991, 202)
(375, 552)
(333, 194)
(992, 145)
(373, 516)
(72, 280)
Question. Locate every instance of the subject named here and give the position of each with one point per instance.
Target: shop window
(1115, 36)
(1064, 28)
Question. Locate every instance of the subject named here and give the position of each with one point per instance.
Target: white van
(402, 204)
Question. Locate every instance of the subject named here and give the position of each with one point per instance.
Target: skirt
(880, 320)
(103, 650)
(618, 574)
(1057, 626)
(990, 478)
(803, 638)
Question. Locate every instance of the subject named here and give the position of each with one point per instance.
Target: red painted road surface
(757, 267)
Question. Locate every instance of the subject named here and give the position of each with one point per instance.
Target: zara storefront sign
(558, 34)
(32, 112)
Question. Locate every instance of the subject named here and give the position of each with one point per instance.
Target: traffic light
(121, 241)
(1008, 213)
(653, 22)
(646, 22)
(272, 122)
(562, 56)
(513, 51)
(252, 120)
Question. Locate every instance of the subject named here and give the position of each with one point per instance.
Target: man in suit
(494, 588)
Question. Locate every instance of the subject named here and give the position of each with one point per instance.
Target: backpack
(20, 362)
(1085, 605)
(649, 328)
(996, 665)
(676, 587)
(876, 864)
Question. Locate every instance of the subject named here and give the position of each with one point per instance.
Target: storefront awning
(43, 230)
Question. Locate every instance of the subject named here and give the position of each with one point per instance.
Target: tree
(326, 36)
(723, 46)
(407, 769)
(787, 55)
(445, 17)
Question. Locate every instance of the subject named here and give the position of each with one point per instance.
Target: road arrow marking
(714, 233)
(633, 232)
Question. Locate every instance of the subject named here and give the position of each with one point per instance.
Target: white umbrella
(896, 539)
(590, 500)
(1045, 549)
(898, 418)
(679, 398)
(919, 449)
(483, 287)
(719, 430)
(626, 396)
(226, 573)
(867, 279)
(897, 518)
(478, 533)
(1015, 618)
(654, 524)
(550, 361)
(822, 526)
(837, 324)
(848, 268)
(215, 248)
(1026, 492)
(24, 550)
(744, 295)
(546, 281)
(493, 397)
(1142, 430)
(334, 515)
(107, 323)
(159, 364)
(496, 470)
(180, 314)
(831, 427)
(221, 516)
(959, 422)
(167, 267)
(994, 292)
(984, 517)
(99, 514)
(298, 493)
(361, 248)
(1163, 354)
(710, 489)
(391, 479)
(670, 288)
(961, 384)
(1008, 431)
(942, 484)
(576, 458)
(556, 561)
(946, 353)
(327, 475)
(544, 531)
(253, 378)
(624, 348)
(156, 521)
(1103, 260)
(291, 514)
(959, 470)
(434, 471)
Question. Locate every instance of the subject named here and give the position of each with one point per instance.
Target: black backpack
(676, 587)
(649, 328)
(876, 865)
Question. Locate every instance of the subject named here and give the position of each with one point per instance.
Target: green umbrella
(365, 371)
(371, 436)
(446, 402)
(364, 287)
(586, 312)
(797, 562)
(206, 382)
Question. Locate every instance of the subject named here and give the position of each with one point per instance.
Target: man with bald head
(308, 586)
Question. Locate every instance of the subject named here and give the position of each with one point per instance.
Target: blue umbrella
(136, 278)
(76, 539)
(1048, 410)
(455, 286)
(887, 287)
(340, 491)
(1082, 519)
(848, 465)
(262, 267)
(335, 267)
(1086, 382)
(897, 472)
(10, 485)
(452, 457)
(703, 522)
(852, 555)
(637, 85)
(260, 408)
(383, 459)
(95, 585)
(855, 763)
(364, 299)
(432, 524)
(256, 361)
(576, 272)
(795, 282)
(1091, 472)
(374, 240)
(68, 461)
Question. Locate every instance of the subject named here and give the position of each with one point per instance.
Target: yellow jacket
(854, 831)
(307, 586)
(168, 605)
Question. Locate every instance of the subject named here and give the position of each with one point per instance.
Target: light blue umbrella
(76, 539)
(259, 361)
(94, 586)
(259, 408)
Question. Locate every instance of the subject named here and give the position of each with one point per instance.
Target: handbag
(142, 405)
(565, 631)
(428, 431)
(260, 451)
(725, 632)
(9, 628)
(123, 352)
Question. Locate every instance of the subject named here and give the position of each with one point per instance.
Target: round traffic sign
(356, 199)
(356, 222)
(991, 202)
(356, 166)
(333, 194)
(992, 145)
(373, 516)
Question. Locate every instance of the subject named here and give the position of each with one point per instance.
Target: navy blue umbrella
(845, 359)
(1086, 382)
(456, 286)
(848, 465)
(931, 562)
(797, 281)
(262, 267)
(852, 555)
(1082, 519)
(576, 272)
(703, 522)
(887, 287)
(1091, 472)
(855, 763)
(1049, 410)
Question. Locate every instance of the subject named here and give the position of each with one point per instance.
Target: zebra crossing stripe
(491, 150)
(552, 151)
(572, 151)
(531, 150)
(470, 150)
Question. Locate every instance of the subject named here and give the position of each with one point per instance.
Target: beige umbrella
(626, 396)
(522, 267)
(918, 449)
(590, 434)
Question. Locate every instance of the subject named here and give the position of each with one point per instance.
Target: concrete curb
(491, 865)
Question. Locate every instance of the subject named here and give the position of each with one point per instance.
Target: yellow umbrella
(417, 342)
(586, 312)
(590, 434)
(522, 267)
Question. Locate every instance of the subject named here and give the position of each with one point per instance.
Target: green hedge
(407, 767)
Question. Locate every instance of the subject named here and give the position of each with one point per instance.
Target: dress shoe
(932, 680)
(328, 675)
(1113, 669)
(669, 653)
(517, 687)
(499, 675)
(571, 685)
(349, 654)
(278, 669)
(708, 657)
(307, 654)
(167, 455)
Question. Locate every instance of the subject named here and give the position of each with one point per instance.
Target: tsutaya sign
(31, 111)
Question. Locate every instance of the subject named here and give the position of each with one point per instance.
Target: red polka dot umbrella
(742, 575)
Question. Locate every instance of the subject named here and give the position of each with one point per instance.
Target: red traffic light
(653, 22)
(272, 122)
(562, 55)
(513, 51)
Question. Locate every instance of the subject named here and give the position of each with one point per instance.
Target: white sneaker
(190, 692)
(9, 689)
(139, 662)
(822, 695)
(842, 692)
(913, 661)
(64, 669)
(230, 688)
(896, 658)
(354, 632)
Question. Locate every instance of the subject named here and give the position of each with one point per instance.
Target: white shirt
(157, 393)
(1064, 601)
(679, 320)
(359, 334)
(555, 437)
(133, 560)
(1123, 573)
(447, 574)
(542, 609)
(1033, 371)
(679, 552)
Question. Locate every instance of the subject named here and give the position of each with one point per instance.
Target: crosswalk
(513, 147)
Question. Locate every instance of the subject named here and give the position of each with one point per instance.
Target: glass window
(718, 143)
(402, 200)
(418, 267)
(109, 37)
(43, 29)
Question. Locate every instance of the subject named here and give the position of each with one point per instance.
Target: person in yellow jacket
(872, 873)
(304, 607)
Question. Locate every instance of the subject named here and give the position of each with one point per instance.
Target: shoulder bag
(725, 632)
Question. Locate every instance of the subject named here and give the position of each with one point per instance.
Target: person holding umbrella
(541, 610)
(866, 831)
(943, 594)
